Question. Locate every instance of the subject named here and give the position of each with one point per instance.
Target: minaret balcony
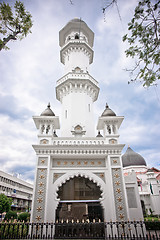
(76, 46)
(78, 76)
(73, 82)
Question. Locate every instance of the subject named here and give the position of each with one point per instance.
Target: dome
(76, 20)
(131, 158)
(48, 111)
(108, 112)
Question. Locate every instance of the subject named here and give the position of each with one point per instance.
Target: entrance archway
(79, 200)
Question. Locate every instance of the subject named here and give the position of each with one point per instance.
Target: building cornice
(77, 82)
(106, 149)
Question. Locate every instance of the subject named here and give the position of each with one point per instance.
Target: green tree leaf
(13, 24)
(5, 203)
(144, 41)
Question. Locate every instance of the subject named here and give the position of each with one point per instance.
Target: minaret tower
(79, 176)
(77, 89)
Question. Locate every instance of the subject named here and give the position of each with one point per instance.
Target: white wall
(76, 107)
(134, 204)
(76, 59)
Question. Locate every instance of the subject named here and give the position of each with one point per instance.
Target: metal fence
(77, 230)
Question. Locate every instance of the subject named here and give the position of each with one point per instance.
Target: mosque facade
(79, 175)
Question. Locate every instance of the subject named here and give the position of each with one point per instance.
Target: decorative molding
(77, 163)
(101, 175)
(81, 142)
(56, 176)
(71, 84)
(42, 161)
(119, 196)
(115, 161)
(76, 152)
(40, 194)
(44, 141)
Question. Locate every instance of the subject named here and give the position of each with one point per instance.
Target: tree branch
(7, 39)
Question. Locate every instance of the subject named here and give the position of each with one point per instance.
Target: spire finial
(107, 105)
(49, 105)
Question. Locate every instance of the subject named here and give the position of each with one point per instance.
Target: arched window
(76, 36)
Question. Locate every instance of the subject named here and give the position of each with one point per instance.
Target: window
(89, 107)
(76, 36)
(65, 113)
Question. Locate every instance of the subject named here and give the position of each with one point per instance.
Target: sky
(30, 69)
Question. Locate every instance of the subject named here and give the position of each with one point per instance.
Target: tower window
(66, 114)
(89, 107)
(76, 36)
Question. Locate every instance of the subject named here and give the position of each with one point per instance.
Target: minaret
(77, 89)
(90, 164)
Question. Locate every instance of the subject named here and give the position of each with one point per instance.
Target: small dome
(76, 20)
(47, 111)
(131, 158)
(99, 134)
(108, 112)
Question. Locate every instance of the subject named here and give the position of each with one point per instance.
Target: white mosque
(148, 181)
(79, 175)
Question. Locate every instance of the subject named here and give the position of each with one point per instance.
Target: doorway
(79, 201)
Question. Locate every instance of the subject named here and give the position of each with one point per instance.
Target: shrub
(24, 217)
(10, 215)
(154, 225)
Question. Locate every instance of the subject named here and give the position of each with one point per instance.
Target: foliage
(144, 42)
(15, 25)
(151, 219)
(5, 203)
(152, 225)
(151, 212)
(10, 215)
(24, 216)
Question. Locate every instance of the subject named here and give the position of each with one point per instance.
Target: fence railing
(86, 230)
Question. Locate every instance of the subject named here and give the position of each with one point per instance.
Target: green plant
(10, 215)
(5, 203)
(151, 211)
(24, 216)
(152, 224)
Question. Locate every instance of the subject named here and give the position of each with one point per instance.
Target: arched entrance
(79, 200)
